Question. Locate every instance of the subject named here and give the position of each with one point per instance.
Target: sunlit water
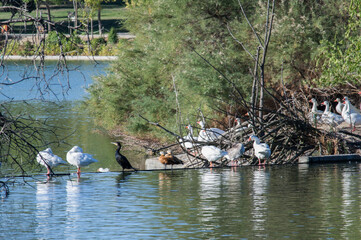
(279, 202)
(276, 202)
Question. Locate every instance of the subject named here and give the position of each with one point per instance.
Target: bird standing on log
(79, 159)
(121, 159)
(48, 159)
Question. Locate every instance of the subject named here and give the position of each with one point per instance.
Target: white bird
(352, 108)
(235, 152)
(79, 159)
(103, 170)
(48, 159)
(315, 114)
(189, 139)
(261, 150)
(212, 153)
(339, 105)
(330, 117)
(351, 118)
(208, 134)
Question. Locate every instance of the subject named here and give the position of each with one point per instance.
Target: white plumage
(48, 159)
(350, 117)
(209, 134)
(189, 139)
(315, 114)
(351, 108)
(261, 150)
(79, 159)
(330, 117)
(339, 106)
(212, 153)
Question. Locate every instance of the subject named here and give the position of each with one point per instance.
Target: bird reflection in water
(260, 184)
(120, 179)
(165, 184)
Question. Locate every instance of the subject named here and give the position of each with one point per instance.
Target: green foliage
(112, 36)
(28, 49)
(340, 59)
(168, 35)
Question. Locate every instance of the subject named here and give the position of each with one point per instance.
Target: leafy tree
(112, 36)
(172, 37)
(340, 59)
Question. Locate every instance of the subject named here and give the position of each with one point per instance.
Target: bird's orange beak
(323, 103)
(359, 92)
(335, 100)
(186, 127)
(310, 100)
(246, 114)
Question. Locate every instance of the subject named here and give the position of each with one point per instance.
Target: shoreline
(68, 58)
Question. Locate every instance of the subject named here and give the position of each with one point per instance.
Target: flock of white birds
(345, 112)
(212, 153)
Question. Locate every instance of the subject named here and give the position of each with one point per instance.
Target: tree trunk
(49, 15)
(99, 21)
(91, 27)
(75, 3)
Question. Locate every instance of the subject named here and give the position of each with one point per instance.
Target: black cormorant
(121, 159)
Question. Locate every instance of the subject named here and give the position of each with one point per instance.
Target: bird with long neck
(188, 141)
(351, 118)
(330, 117)
(121, 159)
(339, 105)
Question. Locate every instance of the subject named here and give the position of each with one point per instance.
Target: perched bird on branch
(169, 159)
(48, 159)
(121, 159)
(261, 150)
(79, 159)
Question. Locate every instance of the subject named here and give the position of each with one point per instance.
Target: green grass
(111, 17)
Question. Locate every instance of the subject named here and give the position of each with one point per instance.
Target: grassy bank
(111, 16)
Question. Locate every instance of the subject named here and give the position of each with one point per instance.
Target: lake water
(278, 202)
(274, 202)
(61, 107)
